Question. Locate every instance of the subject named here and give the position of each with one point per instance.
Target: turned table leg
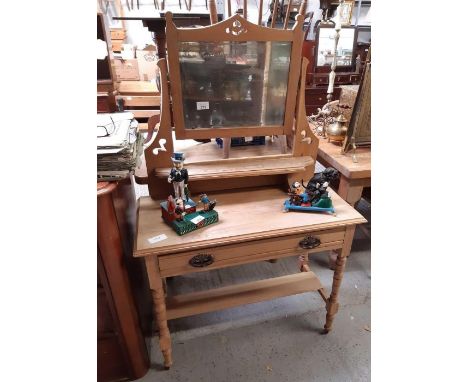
(332, 303)
(351, 192)
(159, 306)
(303, 262)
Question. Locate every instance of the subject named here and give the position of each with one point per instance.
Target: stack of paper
(119, 146)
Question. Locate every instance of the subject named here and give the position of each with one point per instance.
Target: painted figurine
(295, 193)
(314, 196)
(178, 176)
(183, 216)
(208, 205)
(179, 210)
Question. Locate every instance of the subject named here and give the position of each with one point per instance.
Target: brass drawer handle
(201, 260)
(309, 242)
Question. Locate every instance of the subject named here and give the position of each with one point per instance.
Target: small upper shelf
(243, 167)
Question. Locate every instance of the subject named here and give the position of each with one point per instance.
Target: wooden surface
(202, 152)
(243, 215)
(250, 251)
(159, 307)
(249, 219)
(237, 168)
(330, 153)
(142, 88)
(138, 100)
(354, 176)
(122, 352)
(240, 294)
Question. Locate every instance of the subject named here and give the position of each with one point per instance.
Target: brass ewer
(336, 131)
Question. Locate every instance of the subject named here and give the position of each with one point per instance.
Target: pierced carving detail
(236, 29)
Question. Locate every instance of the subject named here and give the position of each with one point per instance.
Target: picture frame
(346, 12)
(359, 129)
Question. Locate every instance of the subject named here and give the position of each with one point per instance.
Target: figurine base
(192, 221)
(323, 205)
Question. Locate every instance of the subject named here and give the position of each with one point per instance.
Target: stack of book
(119, 146)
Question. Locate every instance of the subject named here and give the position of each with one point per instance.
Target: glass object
(234, 84)
(217, 117)
(326, 47)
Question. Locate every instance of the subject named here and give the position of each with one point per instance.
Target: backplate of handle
(309, 242)
(201, 260)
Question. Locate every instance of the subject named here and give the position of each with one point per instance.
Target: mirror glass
(326, 46)
(234, 84)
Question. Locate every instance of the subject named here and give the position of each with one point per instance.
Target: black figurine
(317, 186)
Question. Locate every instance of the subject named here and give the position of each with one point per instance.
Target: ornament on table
(178, 175)
(312, 197)
(180, 212)
(336, 131)
(217, 117)
(208, 205)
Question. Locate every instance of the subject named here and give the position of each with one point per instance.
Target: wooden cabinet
(316, 97)
(340, 79)
(123, 303)
(105, 75)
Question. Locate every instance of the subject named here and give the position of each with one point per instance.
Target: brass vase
(336, 131)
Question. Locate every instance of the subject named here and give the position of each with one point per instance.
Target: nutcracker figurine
(178, 176)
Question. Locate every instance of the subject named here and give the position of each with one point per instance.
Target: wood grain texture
(163, 158)
(305, 143)
(213, 12)
(241, 294)
(159, 305)
(343, 253)
(196, 152)
(243, 215)
(137, 88)
(331, 154)
(237, 168)
(218, 32)
(144, 113)
(249, 252)
(112, 249)
(138, 100)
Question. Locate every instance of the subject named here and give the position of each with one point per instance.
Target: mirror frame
(339, 68)
(235, 28)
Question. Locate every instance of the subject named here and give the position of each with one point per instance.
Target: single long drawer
(247, 252)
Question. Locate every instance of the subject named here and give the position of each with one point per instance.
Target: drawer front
(247, 252)
(316, 99)
(117, 34)
(355, 78)
(117, 46)
(341, 78)
(321, 80)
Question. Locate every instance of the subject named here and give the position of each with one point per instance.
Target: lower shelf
(247, 293)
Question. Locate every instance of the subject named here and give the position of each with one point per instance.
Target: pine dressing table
(249, 183)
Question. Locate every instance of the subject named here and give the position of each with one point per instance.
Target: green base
(186, 226)
(324, 203)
